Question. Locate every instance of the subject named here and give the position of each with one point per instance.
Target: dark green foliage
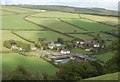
(98, 66)
(113, 64)
(77, 71)
(60, 40)
(9, 43)
(25, 46)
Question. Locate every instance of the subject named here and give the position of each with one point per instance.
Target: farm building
(43, 10)
(65, 52)
(33, 48)
(52, 45)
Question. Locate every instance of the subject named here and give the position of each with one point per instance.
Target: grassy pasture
(48, 35)
(12, 60)
(104, 19)
(17, 22)
(89, 25)
(15, 9)
(6, 12)
(104, 57)
(55, 24)
(79, 51)
(2, 12)
(112, 76)
(82, 36)
(56, 14)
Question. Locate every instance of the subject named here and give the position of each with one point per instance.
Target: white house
(14, 47)
(88, 50)
(43, 10)
(58, 45)
(51, 46)
(96, 45)
(20, 49)
(82, 42)
(33, 48)
(65, 52)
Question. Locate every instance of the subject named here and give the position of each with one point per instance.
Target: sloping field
(55, 24)
(82, 36)
(112, 76)
(12, 60)
(104, 19)
(104, 57)
(89, 25)
(15, 9)
(2, 12)
(17, 22)
(48, 35)
(55, 14)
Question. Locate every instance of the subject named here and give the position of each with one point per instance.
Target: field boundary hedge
(22, 37)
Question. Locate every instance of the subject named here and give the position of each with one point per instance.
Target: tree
(60, 40)
(77, 71)
(113, 64)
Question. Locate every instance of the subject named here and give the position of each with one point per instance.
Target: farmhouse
(43, 10)
(52, 45)
(96, 45)
(14, 47)
(33, 48)
(65, 52)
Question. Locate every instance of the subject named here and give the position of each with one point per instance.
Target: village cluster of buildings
(58, 59)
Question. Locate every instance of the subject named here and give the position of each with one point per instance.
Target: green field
(112, 76)
(11, 60)
(54, 24)
(104, 57)
(55, 14)
(15, 9)
(48, 35)
(80, 51)
(104, 19)
(82, 36)
(6, 13)
(17, 22)
(89, 25)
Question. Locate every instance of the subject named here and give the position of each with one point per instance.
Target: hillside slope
(112, 76)
(99, 11)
